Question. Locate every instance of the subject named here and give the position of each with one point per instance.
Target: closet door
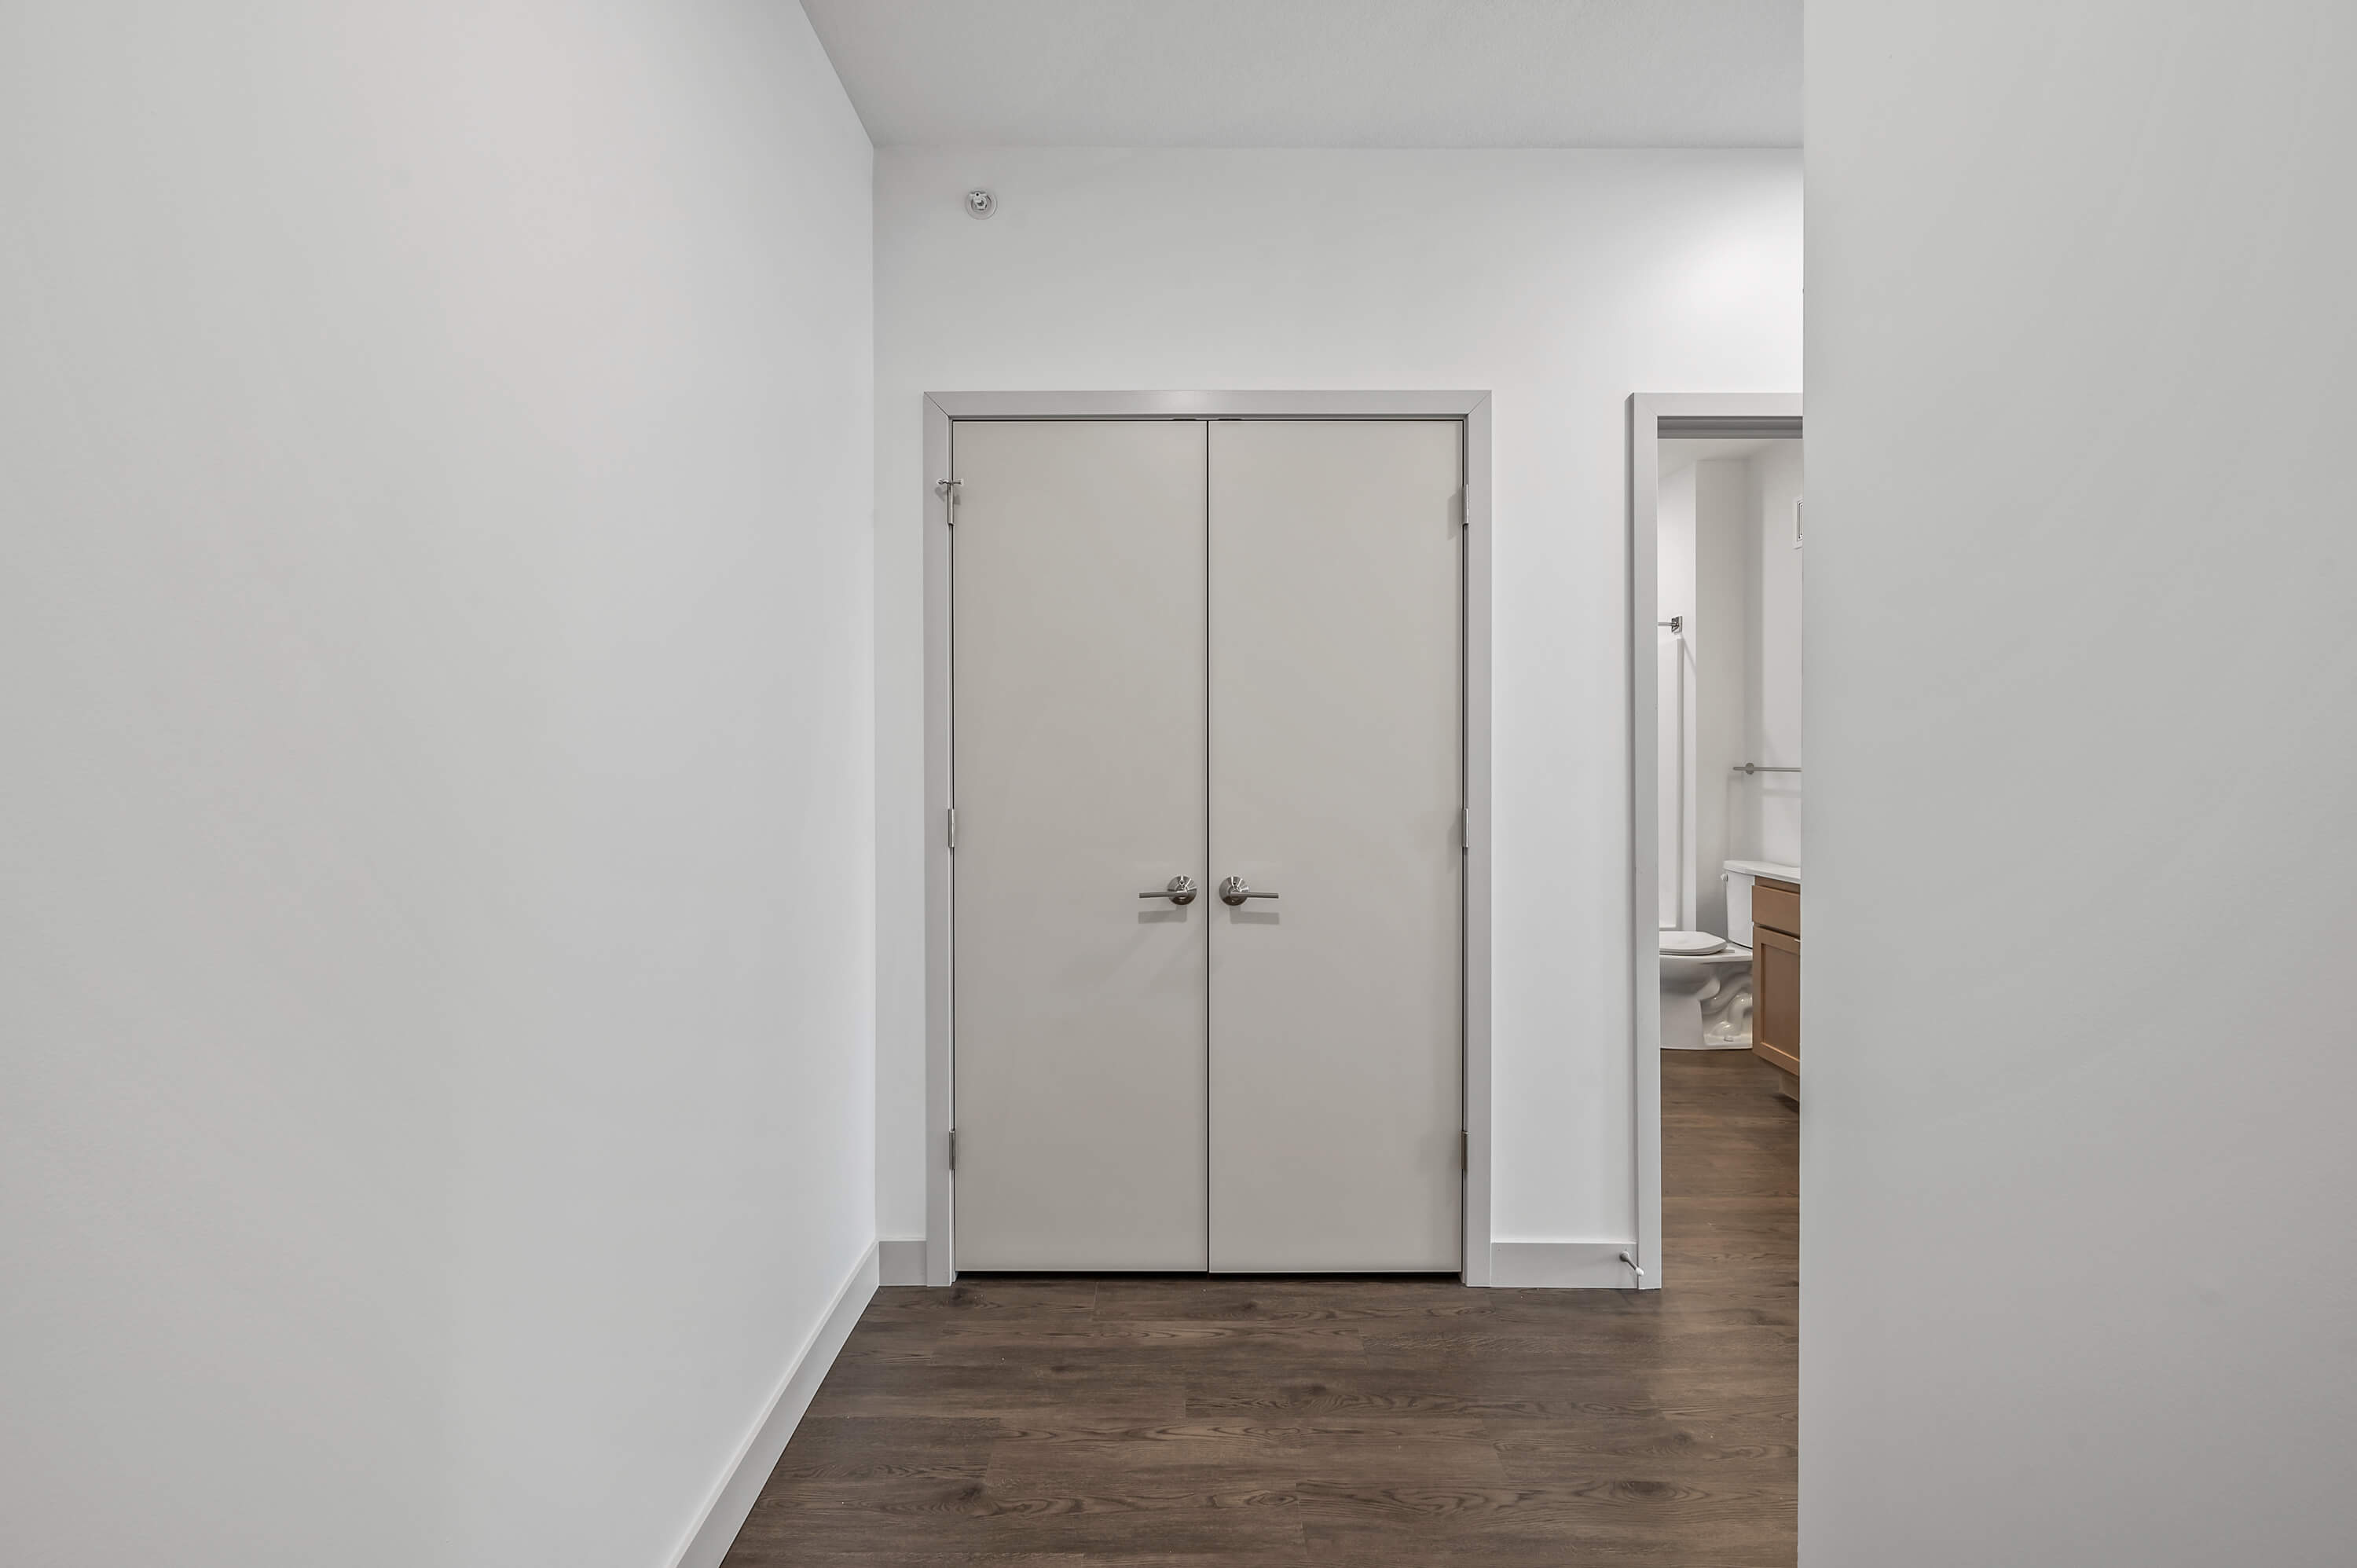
(1078, 716)
(1335, 784)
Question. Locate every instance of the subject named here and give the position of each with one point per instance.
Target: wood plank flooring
(1160, 1421)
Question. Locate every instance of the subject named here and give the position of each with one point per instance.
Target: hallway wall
(2078, 1271)
(1564, 281)
(436, 952)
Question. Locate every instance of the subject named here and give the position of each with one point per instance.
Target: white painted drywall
(1722, 638)
(1675, 674)
(1561, 280)
(1727, 564)
(2079, 1272)
(1704, 575)
(1766, 821)
(435, 649)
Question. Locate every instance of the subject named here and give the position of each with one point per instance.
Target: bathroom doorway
(1718, 537)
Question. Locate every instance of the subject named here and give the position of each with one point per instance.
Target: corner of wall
(739, 1486)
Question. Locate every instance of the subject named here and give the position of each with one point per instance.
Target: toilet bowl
(1705, 993)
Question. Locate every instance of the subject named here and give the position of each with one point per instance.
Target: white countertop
(1764, 868)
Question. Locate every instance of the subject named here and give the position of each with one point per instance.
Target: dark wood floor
(1026, 1422)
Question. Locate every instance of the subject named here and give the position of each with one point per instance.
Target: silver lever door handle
(1181, 890)
(1236, 890)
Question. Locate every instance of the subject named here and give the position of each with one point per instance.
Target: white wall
(1741, 658)
(1675, 676)
(435, 651)
(1768, 823)
(1725, 603)
(2079, 1271)
(1561, 280)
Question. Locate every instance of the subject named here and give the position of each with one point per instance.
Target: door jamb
(1470, 408)
(1652, 415)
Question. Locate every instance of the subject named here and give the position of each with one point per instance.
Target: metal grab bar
(1756, 767)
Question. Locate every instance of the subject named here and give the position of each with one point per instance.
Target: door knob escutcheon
(1236, 890)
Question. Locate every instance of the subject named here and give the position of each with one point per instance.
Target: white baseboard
(733, 1496)
(1560, 1265)
(900, 1262)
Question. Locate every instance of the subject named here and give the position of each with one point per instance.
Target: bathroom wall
(1768, 805)
(1674, 672)
(1727, 566)
(1721, 635)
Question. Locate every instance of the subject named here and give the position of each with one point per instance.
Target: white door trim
(941, 410)
(1652, 415)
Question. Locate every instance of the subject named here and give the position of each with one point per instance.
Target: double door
(1209, 859)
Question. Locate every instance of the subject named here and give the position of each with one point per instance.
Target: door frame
(1651, 417)
(1472, 409)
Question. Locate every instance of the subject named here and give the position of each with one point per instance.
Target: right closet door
(1336, 578)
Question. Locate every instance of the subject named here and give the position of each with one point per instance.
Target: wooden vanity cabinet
(1776, 979)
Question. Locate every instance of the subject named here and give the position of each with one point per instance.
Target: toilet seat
(1691, 944)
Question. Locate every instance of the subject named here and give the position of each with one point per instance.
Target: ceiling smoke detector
(980, 204)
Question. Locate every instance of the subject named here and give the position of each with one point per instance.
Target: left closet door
(1078, 734)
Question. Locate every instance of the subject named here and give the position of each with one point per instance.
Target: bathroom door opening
(1715, 531)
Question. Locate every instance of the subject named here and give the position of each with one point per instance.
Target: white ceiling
(1322, 73)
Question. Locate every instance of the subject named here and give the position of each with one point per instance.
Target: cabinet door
(1776, 999)
(1776, 906)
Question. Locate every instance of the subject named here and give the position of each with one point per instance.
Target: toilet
(1705, 993)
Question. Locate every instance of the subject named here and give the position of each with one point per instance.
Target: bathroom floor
(1073, 1422)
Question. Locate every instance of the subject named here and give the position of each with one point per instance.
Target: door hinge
(952, 826)
(952, 1148)
(1464, 1150)
(1465, 831)
(948, 490)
